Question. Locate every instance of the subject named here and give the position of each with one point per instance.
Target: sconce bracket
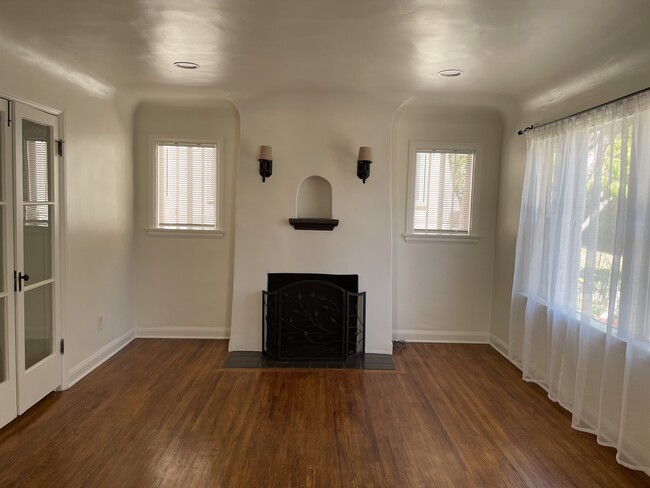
(363, 169)
(266, 168)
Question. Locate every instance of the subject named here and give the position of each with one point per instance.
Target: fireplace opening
(313, 317)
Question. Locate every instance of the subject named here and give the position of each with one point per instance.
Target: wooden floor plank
(164, 413)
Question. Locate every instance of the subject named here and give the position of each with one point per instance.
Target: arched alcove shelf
(314, 205)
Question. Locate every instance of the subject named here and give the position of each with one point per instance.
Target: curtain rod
(531, 127)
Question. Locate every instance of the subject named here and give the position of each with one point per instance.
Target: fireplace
(313, 317)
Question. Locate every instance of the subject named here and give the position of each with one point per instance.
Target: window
(608, 171)
(441, 191)
(584, 216)
(186, 192)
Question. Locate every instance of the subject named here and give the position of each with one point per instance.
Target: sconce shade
(266, 153)
(365, 154)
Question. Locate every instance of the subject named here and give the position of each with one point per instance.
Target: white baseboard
(183, 332)
(502, 348)
(499, 344)
(442, 336)
(100, 357)
(379, 351)
(244, 347)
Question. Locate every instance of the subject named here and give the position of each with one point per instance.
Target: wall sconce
(363, 163)
(266, 162)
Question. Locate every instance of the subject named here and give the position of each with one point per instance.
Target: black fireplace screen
(313, 319)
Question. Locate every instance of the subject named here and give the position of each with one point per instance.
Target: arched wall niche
(314, 198)
(314, 205)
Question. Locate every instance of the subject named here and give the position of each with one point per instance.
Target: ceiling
(506, 48)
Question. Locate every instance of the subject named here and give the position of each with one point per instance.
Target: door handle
(22, 278)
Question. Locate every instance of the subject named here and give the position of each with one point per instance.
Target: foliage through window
(186, 186)
(608, 171)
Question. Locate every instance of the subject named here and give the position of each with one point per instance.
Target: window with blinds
(442, 186)
(187, 186)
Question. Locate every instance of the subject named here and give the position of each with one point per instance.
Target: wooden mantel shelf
(314, 224)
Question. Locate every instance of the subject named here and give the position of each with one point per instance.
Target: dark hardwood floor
(163, 413)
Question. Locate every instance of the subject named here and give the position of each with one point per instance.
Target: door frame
(59, 112)
(7, 157)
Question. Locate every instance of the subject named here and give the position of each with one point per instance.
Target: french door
(30, 297)
(8, 383)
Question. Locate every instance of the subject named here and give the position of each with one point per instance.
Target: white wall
(511, 178)
(184, 284)
(442, 291)
(98, 220)
(315, 133)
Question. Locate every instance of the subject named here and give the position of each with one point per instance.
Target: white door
(8, 406)
(36, 251)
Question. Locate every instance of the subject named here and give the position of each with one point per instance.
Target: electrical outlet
(100, 322)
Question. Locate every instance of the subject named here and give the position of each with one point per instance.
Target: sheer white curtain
(580, 318)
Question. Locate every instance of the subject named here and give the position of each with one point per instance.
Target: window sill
(440, 237)
(181, 232)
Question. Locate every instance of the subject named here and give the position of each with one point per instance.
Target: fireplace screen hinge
(59, 147)
(62, 346)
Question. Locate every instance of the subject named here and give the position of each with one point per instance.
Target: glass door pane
(37, 162)
(37, 240)
(38, 324)
(37, 243)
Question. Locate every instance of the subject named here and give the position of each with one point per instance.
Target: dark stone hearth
(257, 360)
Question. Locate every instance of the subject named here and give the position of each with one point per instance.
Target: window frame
(153, 228)
(417, 146)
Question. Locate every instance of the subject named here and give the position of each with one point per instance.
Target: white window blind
(187, 186)
(443, 191)
(36, 181)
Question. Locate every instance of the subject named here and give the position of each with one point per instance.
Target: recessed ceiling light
(450, 73)
(186, 65)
